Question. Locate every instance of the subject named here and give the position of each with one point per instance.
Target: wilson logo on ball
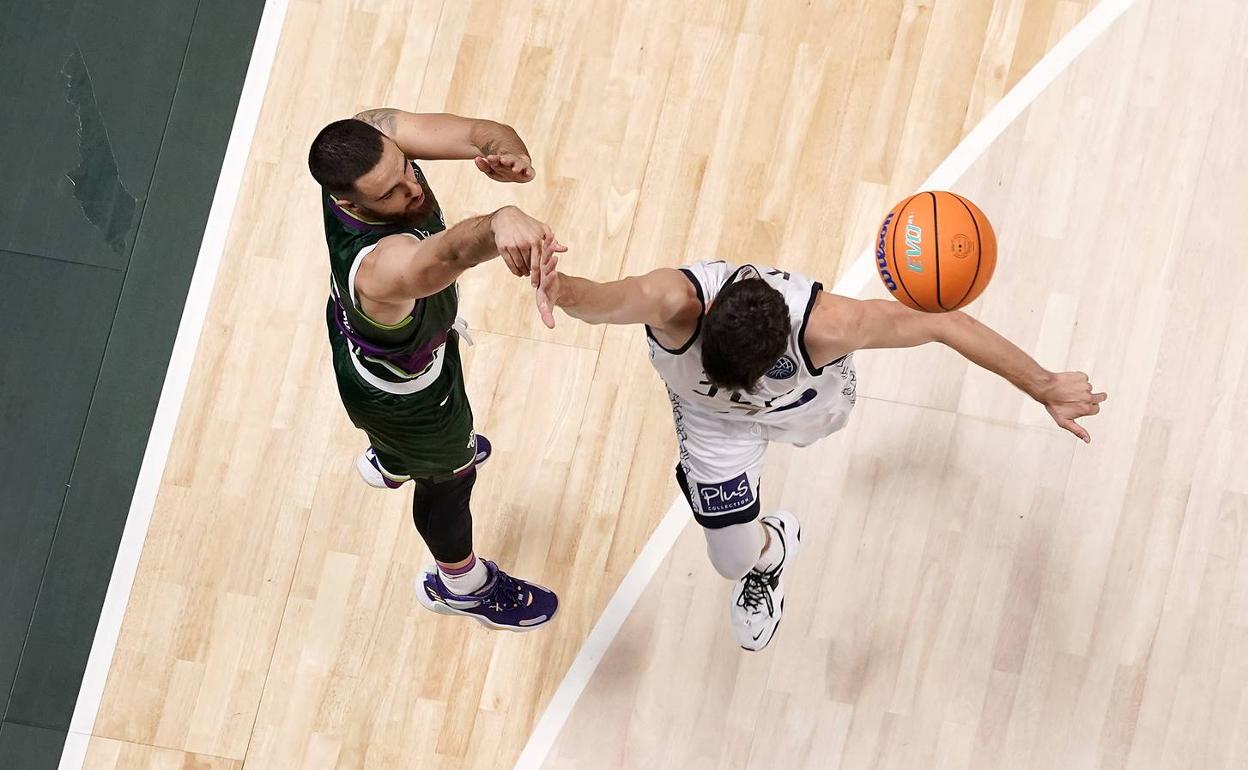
(881, 260)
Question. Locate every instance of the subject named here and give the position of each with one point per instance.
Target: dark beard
(408, 220)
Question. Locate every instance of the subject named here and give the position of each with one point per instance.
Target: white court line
(211, 248)
(851, 283)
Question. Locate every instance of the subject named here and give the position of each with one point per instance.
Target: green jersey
(400, 383)
(395, 353)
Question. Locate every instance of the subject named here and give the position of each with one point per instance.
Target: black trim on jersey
(719, 520)
(815, 371)
(697, 329)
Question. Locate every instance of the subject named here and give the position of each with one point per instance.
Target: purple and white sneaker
(374, 475)
(504, 603)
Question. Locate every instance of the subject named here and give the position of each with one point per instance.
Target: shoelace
(506, 592)
(756, 591)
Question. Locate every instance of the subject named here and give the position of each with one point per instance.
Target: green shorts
(427, 434)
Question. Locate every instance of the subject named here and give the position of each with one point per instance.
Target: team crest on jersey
(783, 369)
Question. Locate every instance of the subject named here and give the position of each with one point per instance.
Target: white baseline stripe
(599, 639)
(851, 283)
(1097, 20)
(178, 374)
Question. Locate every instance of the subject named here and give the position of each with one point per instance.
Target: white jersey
(796, 402)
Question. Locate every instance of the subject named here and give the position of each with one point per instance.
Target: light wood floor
(273, 625)
(979, 590)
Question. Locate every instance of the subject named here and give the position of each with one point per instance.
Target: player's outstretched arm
(662, 299)
(496, 148)
(402, 268)
(840, 325)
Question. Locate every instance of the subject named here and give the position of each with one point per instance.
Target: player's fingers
(547, 275)
(535, 264)
(1076, 429)
(559, 247)
(511, 255)
(544, 309)
(1099, 397)
(481, 164)
(515, 263)
(491, 170)
(548, 278)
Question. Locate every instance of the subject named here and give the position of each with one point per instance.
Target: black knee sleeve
(442, 517)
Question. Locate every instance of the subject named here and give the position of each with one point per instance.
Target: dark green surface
(23, 747)
(134, 365)
(56, 319)
(133, 51)
(155, 93)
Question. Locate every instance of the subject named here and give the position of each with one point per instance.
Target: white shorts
(720, 460)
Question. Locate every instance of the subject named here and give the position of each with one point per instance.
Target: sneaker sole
(443, 609)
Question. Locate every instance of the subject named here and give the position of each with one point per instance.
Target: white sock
(773, 552)
(468, 581)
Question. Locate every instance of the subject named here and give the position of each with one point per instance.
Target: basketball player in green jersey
(394, 330)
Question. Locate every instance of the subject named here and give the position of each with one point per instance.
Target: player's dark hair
(744, 333)
(342, 152)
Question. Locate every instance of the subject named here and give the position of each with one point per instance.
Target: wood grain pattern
(272, 618)
(977, 589)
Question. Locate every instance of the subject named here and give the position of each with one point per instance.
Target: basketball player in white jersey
(752, 355)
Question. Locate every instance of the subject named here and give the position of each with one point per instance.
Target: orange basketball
(936, 251)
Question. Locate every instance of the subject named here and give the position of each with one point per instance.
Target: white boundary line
(851, 283)
(172, 392)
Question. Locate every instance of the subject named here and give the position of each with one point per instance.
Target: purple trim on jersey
(356, 224)
(413, 363)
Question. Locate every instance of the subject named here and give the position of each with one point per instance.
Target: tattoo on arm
(381, 119)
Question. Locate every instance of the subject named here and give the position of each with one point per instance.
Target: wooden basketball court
(977, 590)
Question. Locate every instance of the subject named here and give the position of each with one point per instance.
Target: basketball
(936, 251)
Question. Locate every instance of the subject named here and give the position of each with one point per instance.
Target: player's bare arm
(840, 325)
(402, 269)
(496, 148)
(662, 299)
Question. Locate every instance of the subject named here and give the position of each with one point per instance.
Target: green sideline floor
(114, 124)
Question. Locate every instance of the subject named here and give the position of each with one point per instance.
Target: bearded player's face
(390, 191)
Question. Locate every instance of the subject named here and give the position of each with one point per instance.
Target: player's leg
(459, 583)
(719, 471)
(427, 437)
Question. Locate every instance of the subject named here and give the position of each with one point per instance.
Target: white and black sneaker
(758, 598)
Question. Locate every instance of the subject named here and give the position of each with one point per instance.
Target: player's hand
(506, 167)
(521, 240)
(1068, 396)
(548, 288)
